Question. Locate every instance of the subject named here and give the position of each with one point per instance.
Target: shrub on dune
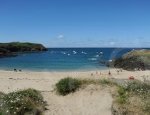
(23, 102)
(67, 85)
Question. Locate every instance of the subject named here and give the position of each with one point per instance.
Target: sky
(76, 23)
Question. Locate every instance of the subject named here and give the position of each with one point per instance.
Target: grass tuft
(22, 102)
(67, 85)
(123, 95)
(134, 98)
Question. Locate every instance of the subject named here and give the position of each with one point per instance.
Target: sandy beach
(91, 100)
(45, 81)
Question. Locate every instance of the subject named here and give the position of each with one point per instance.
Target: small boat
(74, 52)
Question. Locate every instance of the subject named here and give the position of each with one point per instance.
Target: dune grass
(70, 85)
(133, 99)
(130, 98)
(67, 85)
(22, 102)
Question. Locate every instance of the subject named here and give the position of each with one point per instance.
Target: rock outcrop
(11, 49)
(134, 60)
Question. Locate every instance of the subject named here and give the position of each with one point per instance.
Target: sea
(64, 59)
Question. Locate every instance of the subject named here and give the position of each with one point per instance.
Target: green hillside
(134, 60)
(10, 49)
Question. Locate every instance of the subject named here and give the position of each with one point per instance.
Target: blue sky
(76, 23)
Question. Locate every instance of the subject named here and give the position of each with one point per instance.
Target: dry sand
(92, 100)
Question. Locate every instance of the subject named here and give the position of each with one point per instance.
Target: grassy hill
(10, 49)
(136, 59)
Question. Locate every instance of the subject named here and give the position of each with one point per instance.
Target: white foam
(110, 60)
(63, 52)
(96, 56)
(83, 52)
(101, 52)
(92, 59)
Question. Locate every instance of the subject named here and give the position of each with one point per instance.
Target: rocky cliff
(134, 60)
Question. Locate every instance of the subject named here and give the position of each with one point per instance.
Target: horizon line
(99, 47)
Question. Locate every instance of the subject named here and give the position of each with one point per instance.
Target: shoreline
(113, 70)
(63, 70)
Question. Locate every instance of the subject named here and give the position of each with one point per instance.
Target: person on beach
(109, 73)
(15, 70)
(100, 73)
(118, 72)
(20, 70)
(96, 72)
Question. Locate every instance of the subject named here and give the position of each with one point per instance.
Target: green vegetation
(106, 82)
(130, 63)
(137, 53)
(133, 99)
(88, 81)
(130, 97)
(137, 59)
(67, 85)
(23, 102)
(8, 49)
(138, 87)
(98, 82)
(123, 95)
(141, 91)
(70, 85)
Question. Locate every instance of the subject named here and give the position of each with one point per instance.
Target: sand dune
(92, 100)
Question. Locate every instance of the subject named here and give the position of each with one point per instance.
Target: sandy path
(93, 100)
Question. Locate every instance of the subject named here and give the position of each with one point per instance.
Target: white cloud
(61, 36)
(112, 43)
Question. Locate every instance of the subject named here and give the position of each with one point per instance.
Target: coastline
(59, 70)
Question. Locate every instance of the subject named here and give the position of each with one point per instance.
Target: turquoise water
(62, 59)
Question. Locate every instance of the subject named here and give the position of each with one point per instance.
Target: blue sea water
(63, 59)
